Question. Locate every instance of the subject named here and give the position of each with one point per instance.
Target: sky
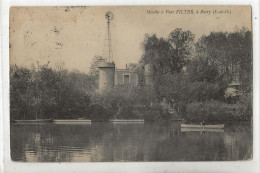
(74, 35)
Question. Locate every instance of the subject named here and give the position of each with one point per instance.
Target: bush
(127, 113)
(156, 114)
(99, 113)
(246, 100)
(203, 91)
(179, 87)
(151, 116)
(217, 111)
(123, 95)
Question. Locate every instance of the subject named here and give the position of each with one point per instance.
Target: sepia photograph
(131, 83)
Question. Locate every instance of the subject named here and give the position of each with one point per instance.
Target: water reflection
(49, 142)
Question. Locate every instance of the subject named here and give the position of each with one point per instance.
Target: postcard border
(7, 165)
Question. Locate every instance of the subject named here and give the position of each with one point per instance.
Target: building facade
(127, 76)
(109, 76)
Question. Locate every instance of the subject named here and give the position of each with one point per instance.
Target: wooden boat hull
(72, 121)
(184, 129)
(34, 121)
(127, 120)
(217, 126)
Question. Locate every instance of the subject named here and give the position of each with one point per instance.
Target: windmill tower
(108, 52)
(107, 68)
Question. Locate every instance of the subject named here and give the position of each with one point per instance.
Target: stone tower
(106, 75)
(107, 68)
(148, 74)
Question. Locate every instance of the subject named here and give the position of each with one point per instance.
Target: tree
(46, 88)
(201, 70)
(182, 43)
(173, 86)
(21, 95)
(42, 92)
(156, 51)
(230, 53)
(167, 55)
(94, 72)
(178, 88)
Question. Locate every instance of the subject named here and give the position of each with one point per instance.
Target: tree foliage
(125, 94)
(179, 88)
(182, 43)
(94, 71)
(211, 64)
(230, 53)
(167, 55)
(44, 92)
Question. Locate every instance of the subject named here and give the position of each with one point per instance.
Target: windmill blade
(109, 15)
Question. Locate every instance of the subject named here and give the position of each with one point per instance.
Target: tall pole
(109, 17)
(109, 39)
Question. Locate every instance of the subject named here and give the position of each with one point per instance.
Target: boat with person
(208, 126)
(184, 129)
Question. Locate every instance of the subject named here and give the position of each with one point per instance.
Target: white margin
(7, 165)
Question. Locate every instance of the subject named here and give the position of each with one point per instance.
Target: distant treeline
(193, 75)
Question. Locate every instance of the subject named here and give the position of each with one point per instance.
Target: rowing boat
(184, 129)
(210, 126)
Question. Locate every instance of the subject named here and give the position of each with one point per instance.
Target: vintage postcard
(131, 83)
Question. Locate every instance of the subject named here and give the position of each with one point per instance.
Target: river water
(94, 142)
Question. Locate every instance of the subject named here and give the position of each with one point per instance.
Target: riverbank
(212, 112)
(77, 121)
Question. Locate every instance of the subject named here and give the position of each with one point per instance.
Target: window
(126, 79)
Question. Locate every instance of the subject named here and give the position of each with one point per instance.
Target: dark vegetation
(197, 74)
(193, 75)
(42, 92)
